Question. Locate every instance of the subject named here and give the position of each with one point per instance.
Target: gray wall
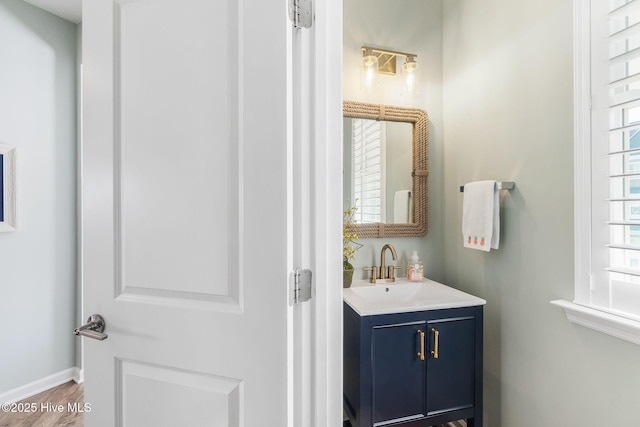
(37, 263)
(413, 26)
(508, 115)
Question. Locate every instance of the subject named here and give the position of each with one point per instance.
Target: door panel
(451, 377)
(185, 195)
(398, 374)
(159, 159)
(204, 400)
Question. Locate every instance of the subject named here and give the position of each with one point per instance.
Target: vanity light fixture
(369, 71)
(410, 68)
(381, 61)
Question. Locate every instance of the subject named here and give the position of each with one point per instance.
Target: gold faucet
(384, 274)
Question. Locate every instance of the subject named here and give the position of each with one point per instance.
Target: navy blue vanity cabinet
(414, 369)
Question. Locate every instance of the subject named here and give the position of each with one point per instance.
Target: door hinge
(301, 13)
(300, 285)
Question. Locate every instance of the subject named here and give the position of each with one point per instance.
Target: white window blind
(615, 83)
(607, 168)
(368, 145)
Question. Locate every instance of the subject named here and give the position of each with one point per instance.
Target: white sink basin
(389, 293)
(403, 296)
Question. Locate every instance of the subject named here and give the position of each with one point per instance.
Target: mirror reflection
(377, 170)
(386, 152)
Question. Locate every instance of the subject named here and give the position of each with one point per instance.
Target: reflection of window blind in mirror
(368, 147)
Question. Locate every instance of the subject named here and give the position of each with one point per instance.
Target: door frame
(326, 130)
(317, 118)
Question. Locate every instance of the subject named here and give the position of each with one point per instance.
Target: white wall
(37, 263)
(508, 115)
(413, 26)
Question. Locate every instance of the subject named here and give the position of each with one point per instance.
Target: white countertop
(403, 296)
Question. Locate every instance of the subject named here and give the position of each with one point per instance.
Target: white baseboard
(42, 384)
(78, 375)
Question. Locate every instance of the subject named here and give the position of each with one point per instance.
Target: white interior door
(186, 244)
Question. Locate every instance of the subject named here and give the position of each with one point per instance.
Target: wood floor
(57, 407)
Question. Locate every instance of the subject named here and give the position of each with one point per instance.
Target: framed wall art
(8, 215)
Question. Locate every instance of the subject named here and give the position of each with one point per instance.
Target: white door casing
(317, 149)
(186, 203)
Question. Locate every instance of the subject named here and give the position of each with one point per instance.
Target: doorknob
(93, 328)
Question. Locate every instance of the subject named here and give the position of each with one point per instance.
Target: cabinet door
(398, 374)
(450, 375)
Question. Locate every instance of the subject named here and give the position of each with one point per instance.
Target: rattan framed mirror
(419, 165)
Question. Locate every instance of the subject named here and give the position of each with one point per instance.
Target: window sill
(607, 323)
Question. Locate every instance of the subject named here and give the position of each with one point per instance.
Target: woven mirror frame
(420, 165)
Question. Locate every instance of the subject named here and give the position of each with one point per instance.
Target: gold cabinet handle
(436, 342)
(421, 354)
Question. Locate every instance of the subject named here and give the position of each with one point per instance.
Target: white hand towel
(481, 216)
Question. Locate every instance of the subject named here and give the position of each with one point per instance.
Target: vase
(347, 278)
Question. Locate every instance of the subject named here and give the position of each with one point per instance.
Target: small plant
(349, 237)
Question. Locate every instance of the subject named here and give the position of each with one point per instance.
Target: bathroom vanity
(412, 355)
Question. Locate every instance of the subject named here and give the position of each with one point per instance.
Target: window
(368, 169)
(607, 167)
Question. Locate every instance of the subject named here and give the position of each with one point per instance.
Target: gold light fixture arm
(387, 58)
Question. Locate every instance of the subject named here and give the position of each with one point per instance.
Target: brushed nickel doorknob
(93, 328)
